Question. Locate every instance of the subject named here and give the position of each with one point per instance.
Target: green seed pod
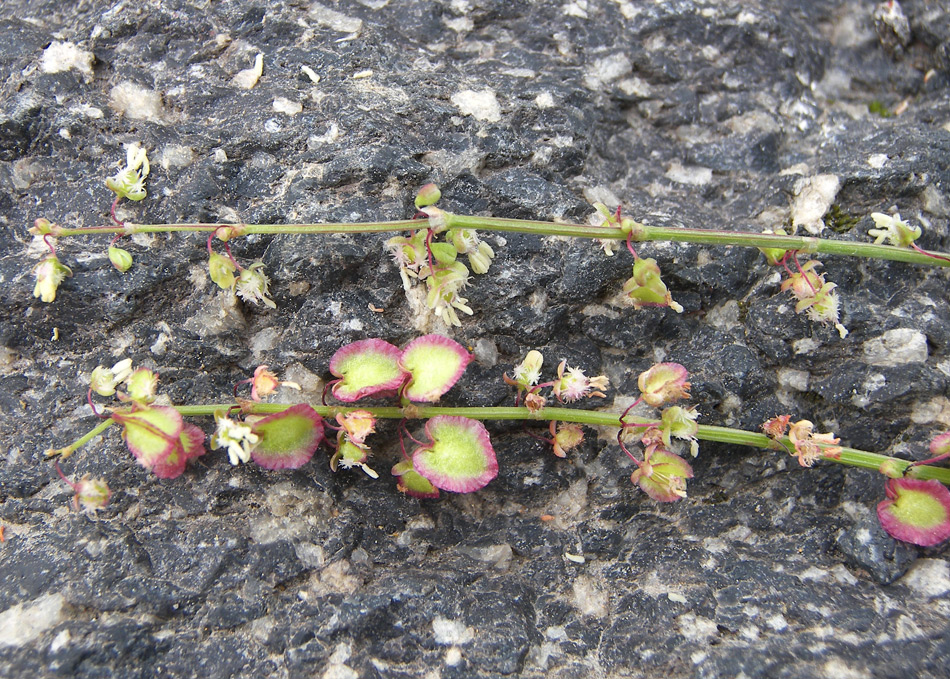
(121, 259)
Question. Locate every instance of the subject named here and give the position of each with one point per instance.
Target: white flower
(129, 182)
(252, 285)
(104, 380)
(893, 229)
(528, 372)
(237, 437)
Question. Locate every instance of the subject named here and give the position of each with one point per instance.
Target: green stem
(641, 232)
(81, 441)
(848, 456)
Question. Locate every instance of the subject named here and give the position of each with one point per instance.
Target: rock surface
(702, 114)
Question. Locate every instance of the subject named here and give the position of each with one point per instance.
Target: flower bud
(528, 372)
(222, 270)
(481, 258)
(142, 385)
(91, 494)
(49, 274)
(427, 195)
(646, 288)
(41, 227)
(664, 383)
(238, 437)
(121, 259)
(678, 422)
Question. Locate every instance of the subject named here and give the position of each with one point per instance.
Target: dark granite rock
(688, 113)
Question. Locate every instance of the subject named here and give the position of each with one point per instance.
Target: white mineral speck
(607, 70)
(930, 577)
(691, 174)
(336, 21)
(896, 347)
(813, 197)
(287, 106)
(23, 623)
(176, 156)
(481, 105)
(544, 100)
(793, 379)
(450, 632)
(135, 101)
(62, 56)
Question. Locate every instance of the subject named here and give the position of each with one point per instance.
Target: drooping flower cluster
(250, 283)
(351, 448)
(420, 257)
(815, 295)
(646, 286)
(662, 473)
(803, 442)
(571, 385)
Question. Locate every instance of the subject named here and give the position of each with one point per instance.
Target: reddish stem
(115, 219)
(429, 235)
(227, 249)
(402, 445)
(630, 246)
(802, 272)
(537, 436)
(939, 458)
(624, 449)
(627, 412)
(48, 244)
(63, 476)
(93, 406)
(924, 252)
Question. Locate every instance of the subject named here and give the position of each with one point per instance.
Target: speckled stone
(688, 113)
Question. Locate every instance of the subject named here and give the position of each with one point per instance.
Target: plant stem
(81, 441)
(642, 232)
(848, 456)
